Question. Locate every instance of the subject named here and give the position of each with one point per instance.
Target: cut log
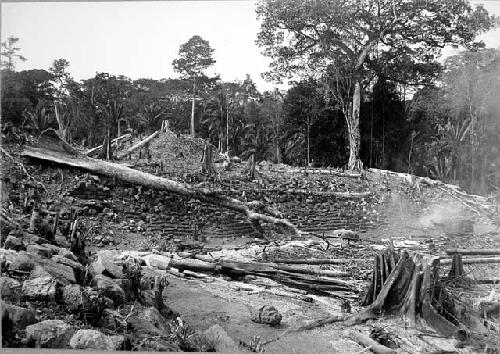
(313, 261)
(341, 195)
(474, 251)
(239, 269)
(479, 260)
(252, 210)
(138, 145)
(114, 143)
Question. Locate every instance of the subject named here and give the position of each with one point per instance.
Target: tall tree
(195, 56)
(10, 53)
(359, 34)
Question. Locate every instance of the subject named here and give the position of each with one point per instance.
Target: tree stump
(207, 165)
(250, 167)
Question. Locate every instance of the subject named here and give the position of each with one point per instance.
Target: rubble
(108, 256)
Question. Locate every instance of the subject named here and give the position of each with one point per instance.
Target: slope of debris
(111, 266)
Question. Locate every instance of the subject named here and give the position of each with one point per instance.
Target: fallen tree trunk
(252, 210)
(114, 142)
(313, 261)
(474, 251)
(138, 145)
(344, 195)
(482, 260)
(372, 344)
(240, 269)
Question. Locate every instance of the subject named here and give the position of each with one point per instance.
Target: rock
(78, 268)
(72, 297)
(148, 278)
(39, 250)
(266, 314)
(67, 254)
(10, 289)
(109, 289)
(217, 336)
(153, 316)
(104, 265)
(49, 334)
(14, 243)
(62, 242)
(112, 320)
(19, 317)
(22, 262)
(93, 339)
(63, 273)
(43, 288)
(126, 286)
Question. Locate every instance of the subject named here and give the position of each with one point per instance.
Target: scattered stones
(49, 334)
(109, 289)
(14, 243)
(10, 289)
(19, 317)
(93, 339)
(43, 288)
(266, 314)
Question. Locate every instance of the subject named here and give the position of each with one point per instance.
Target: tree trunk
(192, 110)
(254, 210)
(138, 145)
(308, 141)
(353, 130)
(207, 165)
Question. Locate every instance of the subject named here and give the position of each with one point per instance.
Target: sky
(141, 39)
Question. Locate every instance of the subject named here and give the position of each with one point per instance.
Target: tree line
(367, 91)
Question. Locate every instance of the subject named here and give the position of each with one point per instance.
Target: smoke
(441, 213)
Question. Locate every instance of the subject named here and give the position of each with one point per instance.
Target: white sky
(140, 39)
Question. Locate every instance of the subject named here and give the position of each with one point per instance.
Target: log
(374, 346)
(138, 145)
(474, 251)
(340, 195)
(481, 260)
(115, 141)
(252, 210)
(313, 261)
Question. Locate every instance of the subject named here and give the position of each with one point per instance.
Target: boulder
(14, 243)
(217, 336)
(93, 339)
(61, 241)
(39, 250)
(78, 269)
(72, 297)
(49, 334)
(112, 320)
(153, 316)
(10, 289)
(19, 317)
(43, 288)
(109, 289)
(61, 272)
(104, 265)
(21, 261)
(67, 254)
(266, 314)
